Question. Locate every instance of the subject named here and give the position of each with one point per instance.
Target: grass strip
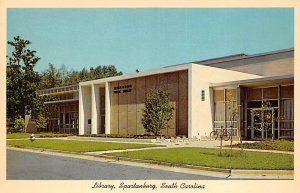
(211, 158)
(38, 135)
(75, 146)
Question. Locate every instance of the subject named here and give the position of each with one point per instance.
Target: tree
(72, 78)
(54, 77)
(21, 78)
(19, 125)
(157, 112)
(233, 110)
(83, 75)
(50, 78)
(63, 73)
(41, 122)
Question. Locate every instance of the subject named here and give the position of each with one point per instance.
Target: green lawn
(40, 135)
(281, 145)
(211, 158)
(17, 135)
(75, 146)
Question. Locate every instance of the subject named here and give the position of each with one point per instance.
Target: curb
(48, 150)
(230, 172)
(169, 164)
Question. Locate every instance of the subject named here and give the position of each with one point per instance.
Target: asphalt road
(34, 166)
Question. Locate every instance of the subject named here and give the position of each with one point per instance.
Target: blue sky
(148, 38)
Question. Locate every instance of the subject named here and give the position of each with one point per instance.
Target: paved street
(35, 166)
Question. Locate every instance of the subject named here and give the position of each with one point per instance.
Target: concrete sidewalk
(168, 144)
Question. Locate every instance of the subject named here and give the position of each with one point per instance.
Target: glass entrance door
(263, 123)
(256, 126)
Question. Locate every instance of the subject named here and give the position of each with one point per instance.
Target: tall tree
(83, 75)
(63, 73)
(21, 78)
(50, 78)
(72, 78)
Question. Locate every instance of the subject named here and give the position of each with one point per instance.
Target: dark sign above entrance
(122, 89)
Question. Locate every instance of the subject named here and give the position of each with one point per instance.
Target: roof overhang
(258, 82)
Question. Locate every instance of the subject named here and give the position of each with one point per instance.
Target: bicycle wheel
(214, 134)
(226, 135)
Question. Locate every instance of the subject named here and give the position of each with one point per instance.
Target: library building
(200, 91)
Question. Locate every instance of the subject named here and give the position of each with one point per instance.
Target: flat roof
(265, 81)
(234, 57)
(241, 57)
(137, 75)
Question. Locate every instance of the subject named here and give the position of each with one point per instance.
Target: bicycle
(223, 133)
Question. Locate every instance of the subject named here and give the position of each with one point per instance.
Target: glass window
(219, 115)
(218, 95)
(254, 104)
(231, 109)
(67, 118)
(287, 114)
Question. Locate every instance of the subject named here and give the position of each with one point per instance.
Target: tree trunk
(221, 145)
(241, 140)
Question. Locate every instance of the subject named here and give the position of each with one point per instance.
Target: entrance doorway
(263, 123)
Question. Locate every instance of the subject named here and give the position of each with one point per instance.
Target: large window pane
(219, 115)
(287, 114)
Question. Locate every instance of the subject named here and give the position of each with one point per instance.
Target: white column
(81, 112)
(95, 109)
(84, 109)
(107, 108)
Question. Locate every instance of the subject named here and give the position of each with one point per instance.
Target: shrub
(9, 125)
(41, 122)
(158, 111)
(281, 145)
(19, 125)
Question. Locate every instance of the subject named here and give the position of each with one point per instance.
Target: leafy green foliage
(233, 112)
(41, 121)
(21, 78)
(22, 81)
(157, 112)
(94, 73)
(19, 125)
(53, 77)
(50, 78)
